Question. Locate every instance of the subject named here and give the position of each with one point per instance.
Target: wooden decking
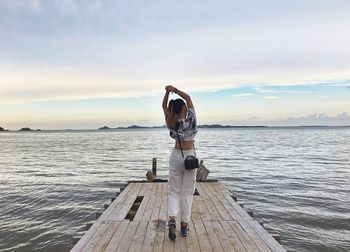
(218, 223)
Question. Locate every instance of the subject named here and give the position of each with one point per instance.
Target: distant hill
(2, 129)
(104, 128)
(26, 129)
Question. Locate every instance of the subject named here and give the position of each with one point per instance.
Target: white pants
(181, 185)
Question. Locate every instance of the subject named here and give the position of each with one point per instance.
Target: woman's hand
(170, 89)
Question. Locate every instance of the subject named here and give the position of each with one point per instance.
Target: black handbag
(191, 162)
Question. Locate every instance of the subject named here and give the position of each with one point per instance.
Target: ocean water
(297, 180)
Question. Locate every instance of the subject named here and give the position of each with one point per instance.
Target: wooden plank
(143, 189)
(142, 208)
(117, 237)
(149, 210)
(180, 243)
(157, 205)
(245, 239)
(208, 203)
(268, 239)
(128, 235)
(202, 236)
(163, 213)
(223, 238)
(148, 181)
(150, 236)
(106, 236)
(89, 246)
(149, 187)
(195, 212)
(244, 215)
(159, 239)
(137, 241)
(236, 243)
(118, 201)
(149, 242)
(169, 245)
(88, 235)
(213, 195)
(214, 240)
(225, 214)
(192, 240)
(154, 189)
(230, 209)
(254, 236)
(120, 212)
(202, 208)
(162, 221)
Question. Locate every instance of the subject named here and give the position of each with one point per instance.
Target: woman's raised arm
(186, 97)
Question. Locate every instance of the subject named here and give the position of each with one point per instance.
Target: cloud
(243, 95)
(281, 91)
(270, 97)
(314, 119)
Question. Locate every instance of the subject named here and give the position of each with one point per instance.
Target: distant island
(28, 129)
(205, 126)
(2, 129)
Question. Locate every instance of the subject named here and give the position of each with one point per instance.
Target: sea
(295, 179)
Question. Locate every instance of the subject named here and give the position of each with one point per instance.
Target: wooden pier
(136, 221)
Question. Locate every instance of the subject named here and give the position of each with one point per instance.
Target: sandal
(172, 229)
(184, 229)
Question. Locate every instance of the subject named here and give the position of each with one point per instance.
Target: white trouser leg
(180, 186)
(174, 189)
(187, 190)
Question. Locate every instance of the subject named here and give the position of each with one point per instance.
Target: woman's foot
(184, 229)
(172, 229)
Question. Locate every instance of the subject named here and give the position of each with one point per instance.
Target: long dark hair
(175, 107)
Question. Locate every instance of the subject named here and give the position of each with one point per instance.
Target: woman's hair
(175, 107)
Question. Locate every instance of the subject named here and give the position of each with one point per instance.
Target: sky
(85, 64)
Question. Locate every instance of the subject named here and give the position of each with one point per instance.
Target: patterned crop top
(187, 127)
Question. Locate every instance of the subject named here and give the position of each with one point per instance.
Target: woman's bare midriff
(186, 145)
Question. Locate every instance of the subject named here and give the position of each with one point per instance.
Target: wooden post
(234, 197)
(97, 215)
(88, 225)
(250, 212)
(154, 166)
(277, 237)
(75, 239)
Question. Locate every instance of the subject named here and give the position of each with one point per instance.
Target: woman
(181, 120)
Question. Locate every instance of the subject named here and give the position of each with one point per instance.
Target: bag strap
(180, 143)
